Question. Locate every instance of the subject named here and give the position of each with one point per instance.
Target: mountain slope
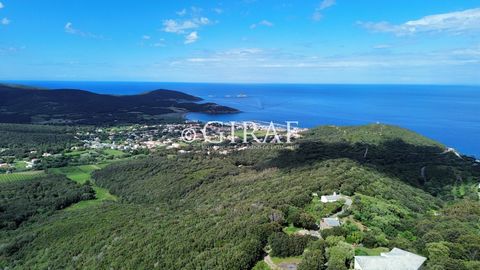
(208, 212)
(31, 105)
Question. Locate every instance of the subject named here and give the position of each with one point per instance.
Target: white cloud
(5, 21)
(218, 10)
(454, 22)
(274, 59)
(191, 38)
(146, 37)
(261, 23)
(180, 27)
(326, 4)
(69, 29)
(196, 10)
(202, 60)
(172, 26)
(159, 44)
(1, 5)
(382, 46)
(467, 52)
(242, 51)
(317, 14)
(182, 12)
(11, 50)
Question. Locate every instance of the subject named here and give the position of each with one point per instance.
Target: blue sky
(248, 41)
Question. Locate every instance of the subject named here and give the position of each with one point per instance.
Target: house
(328, 223)
(397, 259)
(330, 198)
(4, 165)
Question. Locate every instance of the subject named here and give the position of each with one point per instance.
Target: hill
(198, 211)
(71, 106)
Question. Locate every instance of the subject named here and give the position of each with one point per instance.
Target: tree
(336, 260)
(283, 245)
(355, 237)
(306, 221)
(438, 254)
(334, 240)
(340, 256)
(313, 260)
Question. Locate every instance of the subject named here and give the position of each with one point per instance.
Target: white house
(396, 259)
(330, 198)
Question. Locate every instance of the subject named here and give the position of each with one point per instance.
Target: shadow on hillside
(395, 158)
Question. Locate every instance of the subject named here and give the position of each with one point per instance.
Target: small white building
(396, 259)
(330, 198)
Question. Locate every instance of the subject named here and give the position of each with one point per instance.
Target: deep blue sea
(449, 114)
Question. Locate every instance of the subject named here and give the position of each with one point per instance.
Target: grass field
(82, 174)
(261, 265)
(278, 260)
(20, 165)
(79, 174)
(291, 229)
(77, 153)
(113, 152)
(20, 176)
(101, 194)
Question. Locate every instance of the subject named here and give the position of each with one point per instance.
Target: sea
(449, 114)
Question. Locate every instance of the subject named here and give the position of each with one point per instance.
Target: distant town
(121, 141)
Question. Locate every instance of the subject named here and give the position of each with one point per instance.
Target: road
(348, 203)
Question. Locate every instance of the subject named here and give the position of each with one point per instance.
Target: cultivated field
(20, 176)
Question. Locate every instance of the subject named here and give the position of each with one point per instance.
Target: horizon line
(243, 83)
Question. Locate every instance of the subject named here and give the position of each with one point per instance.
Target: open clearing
(81, 174)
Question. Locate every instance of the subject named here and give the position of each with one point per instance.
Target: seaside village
(182, 138)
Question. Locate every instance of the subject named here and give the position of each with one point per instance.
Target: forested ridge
(27, 105)
(199, 211)
(18, 140)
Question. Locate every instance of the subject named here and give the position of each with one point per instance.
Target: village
(114, 142)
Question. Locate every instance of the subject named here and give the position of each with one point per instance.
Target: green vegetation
(291, 229)
(363, 251)
(320, 210)
(18, 140)
(280, 260)
(261, 265)
(20, 200)
(25, 105)
(198, 211)
(83, 175)
(79, 174)
(283, 245)
(20, 165)
(114, 153)
(20, 176)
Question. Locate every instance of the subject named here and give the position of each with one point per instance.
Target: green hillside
(220, 212)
